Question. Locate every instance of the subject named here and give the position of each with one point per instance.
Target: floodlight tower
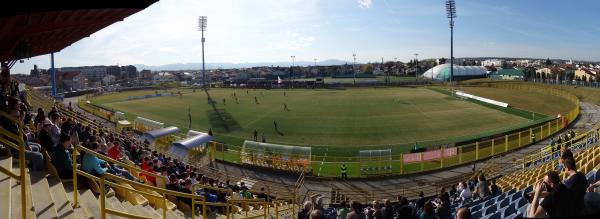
(451, 13)
(292, 71)
(354, 66)
(417, 67)
(202, 28)
(316, 69)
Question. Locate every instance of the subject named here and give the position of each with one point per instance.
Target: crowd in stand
(551, 197)
(55, 133)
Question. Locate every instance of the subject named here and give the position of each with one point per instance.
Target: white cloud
(293, 41)
(365, 3)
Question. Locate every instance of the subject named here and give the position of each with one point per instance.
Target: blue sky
(272, 30)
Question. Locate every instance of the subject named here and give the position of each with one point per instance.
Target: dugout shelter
(277, 156)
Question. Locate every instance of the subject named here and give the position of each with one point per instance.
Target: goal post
(375, 162)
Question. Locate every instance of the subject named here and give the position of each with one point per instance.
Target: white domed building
(442, 72)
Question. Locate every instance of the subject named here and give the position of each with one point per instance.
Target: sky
(242, 31)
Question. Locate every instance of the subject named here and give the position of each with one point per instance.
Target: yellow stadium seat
(133, 198)
(589, 167)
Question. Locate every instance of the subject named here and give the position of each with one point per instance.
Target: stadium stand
(130, 198)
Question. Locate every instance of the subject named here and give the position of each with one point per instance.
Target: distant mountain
(226, 65)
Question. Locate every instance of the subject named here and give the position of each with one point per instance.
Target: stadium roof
(442, 72)
(510, 72)
(32, 28)
(154, 134)
(263, 148)
(180, 148)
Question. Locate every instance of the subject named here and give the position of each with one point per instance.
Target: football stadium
(487, 138)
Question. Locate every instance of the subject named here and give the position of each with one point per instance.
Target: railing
(538, 156)
(147, 190)
(134, 170)
(20, 147)
(196, 199)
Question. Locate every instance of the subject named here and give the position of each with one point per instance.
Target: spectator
(44, 135)
(483, 190)
(114, 152)
(32, 151)
(403, 209)
(305, 213)
(343, 210)
(263, 195)
(494, 188)
(97, 167)
(61, 157)
(558, 203)
(576, 183)
(377, 213)
(39, 118)
(55, 129)
(173, 183)
(388, 210)
(356, 212)
(316, 214)
(420, 202)
(564, 153)
(452, 193)
(428, 211)
(442, 210)
(186, 187)
(463, 213)
(465, 194)
(592, 197)
(443, 194)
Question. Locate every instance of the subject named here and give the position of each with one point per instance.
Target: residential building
(491, 62)
(586, 74)
(72, 81)
(92, 73)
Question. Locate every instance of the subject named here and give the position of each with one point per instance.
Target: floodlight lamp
(202, 23)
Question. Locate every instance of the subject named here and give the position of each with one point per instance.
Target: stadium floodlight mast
(417, 67)
(354, 66)
(292, 71)
(451, 13)
(202, 28)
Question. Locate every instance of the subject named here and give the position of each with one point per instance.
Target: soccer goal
(375, 162)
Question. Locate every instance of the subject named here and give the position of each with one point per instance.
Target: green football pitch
(323, 119)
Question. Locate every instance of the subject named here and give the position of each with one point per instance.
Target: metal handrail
(123, 164)
(21, 148)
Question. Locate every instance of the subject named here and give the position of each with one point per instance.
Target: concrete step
(63, 206)
(153, 212)
(43, 204)
(136, 209)
(16, 196)
(5, 190)
(88, 201)
(115, 204)
(79, 211)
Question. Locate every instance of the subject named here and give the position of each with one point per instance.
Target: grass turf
(384, 117)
